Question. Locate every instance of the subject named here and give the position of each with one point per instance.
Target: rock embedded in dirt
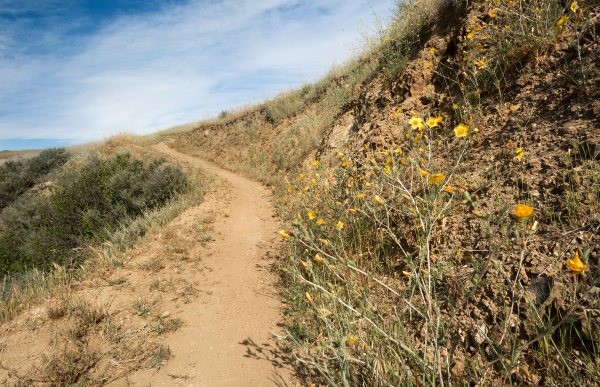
(457, 368)
(165, 314)
(479, 332)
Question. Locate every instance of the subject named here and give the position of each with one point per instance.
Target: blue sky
(79, 70)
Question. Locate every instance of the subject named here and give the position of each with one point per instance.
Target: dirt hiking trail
(226, 339)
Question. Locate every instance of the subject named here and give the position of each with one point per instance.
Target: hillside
(441, 198)
(438, 200)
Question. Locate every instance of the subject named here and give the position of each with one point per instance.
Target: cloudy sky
(78, 70)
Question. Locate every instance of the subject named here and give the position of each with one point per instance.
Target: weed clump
(83, 208)
(17, 176)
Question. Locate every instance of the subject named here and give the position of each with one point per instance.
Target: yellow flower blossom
(574, 7)
(415, 121)
(368, 184)
(361, 196)
(519, 152)
(417, 138)
(318, 258)
(424, 173)
(319, 221)
(388, 163)
(301, 176)
(305, 264)
(340, 154)
(284, 234)
(436, 178)
(432, 122)
(448, 188)
(310, 298)
(470, 36)
(353, 210)
(455, 106)
(398, 150)
(461, 130)
(522, 211)
(575, 264)
(340, 225)
(432, 50)
(562, 22)
(351, 340)
(406, 273)
(316, 163)
(491, 14)
(311, 215)
(421, 150)
(377, 199)
(313, 182)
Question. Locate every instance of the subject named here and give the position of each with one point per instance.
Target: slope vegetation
(441, 195)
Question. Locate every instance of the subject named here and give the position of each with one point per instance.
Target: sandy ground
(226, 339)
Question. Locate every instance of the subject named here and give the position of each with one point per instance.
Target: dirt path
(226, 339)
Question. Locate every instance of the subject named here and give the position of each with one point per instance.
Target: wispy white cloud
(150, 71)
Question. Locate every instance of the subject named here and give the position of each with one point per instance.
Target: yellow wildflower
(284, 234)
(574, 7)
(398, 150)
(377, 199)
(461, 130)
(424, 173)
(318, 258)
(562, 22)
(319, 221)
(340, 154)
(310, 298)
(522, 211)
(436, 178)
(448, 188)
(361, 196)
(575, 264)
(353, 210)
(340, 225)
(388, 163)
(351, 339)
(301, 176)
(313, 182)
(432, 50)
(421, 150)
(305, 264)
(311, 215)
(519, 153)
(415, 122)
(432, 122)
(316, 163)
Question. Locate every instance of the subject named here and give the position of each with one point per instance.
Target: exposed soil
(210, 300)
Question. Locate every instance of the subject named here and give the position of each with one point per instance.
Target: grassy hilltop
(440, 193)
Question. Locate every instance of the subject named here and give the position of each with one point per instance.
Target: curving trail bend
(226, 339)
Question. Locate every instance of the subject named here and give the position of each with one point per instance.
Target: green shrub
(17, 176)
(84, 207)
